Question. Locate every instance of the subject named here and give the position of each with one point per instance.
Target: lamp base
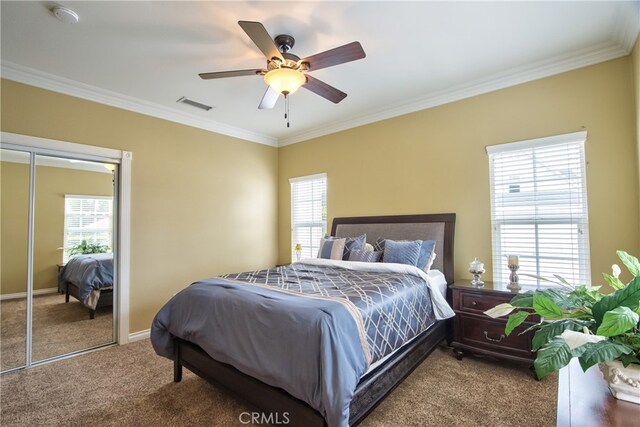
(514, 284)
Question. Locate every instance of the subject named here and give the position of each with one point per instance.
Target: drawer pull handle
(486, 335)
(474, 303)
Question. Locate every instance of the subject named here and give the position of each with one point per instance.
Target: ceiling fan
(285, 72)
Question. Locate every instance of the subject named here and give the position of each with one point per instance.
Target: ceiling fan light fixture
(285, 80)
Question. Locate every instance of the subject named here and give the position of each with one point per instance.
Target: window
(87, 218)
(539, 208)
(308, 213)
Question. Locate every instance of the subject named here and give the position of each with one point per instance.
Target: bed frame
(105, 300)
(375, 385)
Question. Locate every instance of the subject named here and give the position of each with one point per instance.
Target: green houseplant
(84, 248)
(583, 322)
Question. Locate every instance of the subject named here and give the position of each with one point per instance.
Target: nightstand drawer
(489, 334)
(477, 303)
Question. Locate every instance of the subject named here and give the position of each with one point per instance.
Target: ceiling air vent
(193, 103)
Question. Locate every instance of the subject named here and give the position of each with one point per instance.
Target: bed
(237, 358)
(89, 279)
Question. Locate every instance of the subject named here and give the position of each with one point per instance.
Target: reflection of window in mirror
(87, 219)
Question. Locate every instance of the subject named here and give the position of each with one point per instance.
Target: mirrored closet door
(14, 232)
(59, 235)
(72, 256)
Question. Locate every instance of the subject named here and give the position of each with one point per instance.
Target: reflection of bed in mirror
(324, 390)
(89, 279)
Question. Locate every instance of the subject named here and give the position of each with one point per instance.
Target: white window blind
(539, 209)
(87, 218)
(308, 213)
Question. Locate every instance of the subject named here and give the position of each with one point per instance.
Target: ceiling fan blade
(339, 55)
(269, 99)
(324, 90)
(224, 74)
(259, 35)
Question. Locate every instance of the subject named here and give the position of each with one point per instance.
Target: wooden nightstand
(475, 332)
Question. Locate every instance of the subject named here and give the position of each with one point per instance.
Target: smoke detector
(65, 14)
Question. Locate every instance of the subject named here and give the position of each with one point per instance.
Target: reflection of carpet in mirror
(58, 328)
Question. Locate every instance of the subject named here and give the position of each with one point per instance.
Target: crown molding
(26, 75)
(548, 67)
(627, 25)
(625, 37)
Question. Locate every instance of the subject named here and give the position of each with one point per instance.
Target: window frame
(66, 244)
(311, 253)
(581, 219)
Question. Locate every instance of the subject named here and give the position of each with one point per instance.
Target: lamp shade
(285, 80)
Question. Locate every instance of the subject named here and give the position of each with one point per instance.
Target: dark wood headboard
(438, 227)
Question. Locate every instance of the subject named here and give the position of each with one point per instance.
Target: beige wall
(434, 160)
(202, 203)
(51, 186)
(14, 212)
(635, 60)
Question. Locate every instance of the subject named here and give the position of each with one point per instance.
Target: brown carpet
(58, 328)
(130, 385)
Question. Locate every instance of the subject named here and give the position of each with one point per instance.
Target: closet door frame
(122, 221)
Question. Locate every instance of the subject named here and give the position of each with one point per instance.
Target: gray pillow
(363, 255)
(402, 251)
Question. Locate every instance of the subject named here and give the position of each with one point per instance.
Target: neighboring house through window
(539, 208)
(87, 218)
(308, 213)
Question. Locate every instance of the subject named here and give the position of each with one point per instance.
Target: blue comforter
(310, 329)
(90, 273)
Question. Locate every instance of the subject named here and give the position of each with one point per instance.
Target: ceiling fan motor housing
(290, 61)
(284, 42)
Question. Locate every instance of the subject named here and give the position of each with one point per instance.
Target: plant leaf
(500, 310)
(629, 296)
(613, 281)
(545, 279)
(631, 262)
(524, 300)
(515, 320)
(546, 308)
(601, 352)
(562, 280)
(617, 321)
(552, 357)
(551, 330)
(629, 358)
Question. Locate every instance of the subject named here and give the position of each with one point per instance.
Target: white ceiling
(144, 55)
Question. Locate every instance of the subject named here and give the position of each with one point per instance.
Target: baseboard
(138, 336)
(19, 295)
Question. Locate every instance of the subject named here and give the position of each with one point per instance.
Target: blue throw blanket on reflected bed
(90, 273)
(311, 328)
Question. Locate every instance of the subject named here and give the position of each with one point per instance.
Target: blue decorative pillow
(427, 251)
(379, 245)
(402, 251)
(331, 248)
(351, 244)
(364, 255)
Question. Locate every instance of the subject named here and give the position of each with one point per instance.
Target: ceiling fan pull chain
(286, 108)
